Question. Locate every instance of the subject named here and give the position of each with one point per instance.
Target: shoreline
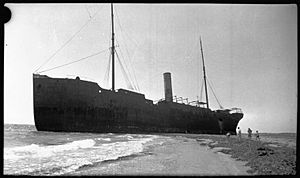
(269, 156)
(206, 155)
(178, 156)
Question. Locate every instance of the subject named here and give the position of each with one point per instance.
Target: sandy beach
(179, 156)
(207, 155)
(273, 154)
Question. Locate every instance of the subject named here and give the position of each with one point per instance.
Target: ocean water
(31, 152)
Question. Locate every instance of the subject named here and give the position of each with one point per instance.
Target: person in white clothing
(239, 134)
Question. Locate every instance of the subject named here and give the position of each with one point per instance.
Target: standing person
(228, 136)
(257, 135)
(239, 134)
(249, 133)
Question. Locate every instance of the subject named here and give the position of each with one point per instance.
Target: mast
(113, 48)
(206, 95)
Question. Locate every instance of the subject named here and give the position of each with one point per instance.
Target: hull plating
(73, 105)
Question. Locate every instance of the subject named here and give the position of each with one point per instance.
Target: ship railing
(174, 99)
(197, 103)
(181, 99)
(235, 110)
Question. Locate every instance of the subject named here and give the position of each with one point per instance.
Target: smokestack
(168, 87)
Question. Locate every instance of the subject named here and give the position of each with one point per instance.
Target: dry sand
(274, 154)
(279, 140)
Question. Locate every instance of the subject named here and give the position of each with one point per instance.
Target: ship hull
(74, 105)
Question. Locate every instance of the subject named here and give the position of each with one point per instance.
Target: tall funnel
(168, 87)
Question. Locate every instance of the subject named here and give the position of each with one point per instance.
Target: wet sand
(177, 156)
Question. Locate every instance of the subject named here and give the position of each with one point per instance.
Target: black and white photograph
(160, 89)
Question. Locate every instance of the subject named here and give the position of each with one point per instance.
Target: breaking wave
(34, 150)
(104, 139)
(62, 159)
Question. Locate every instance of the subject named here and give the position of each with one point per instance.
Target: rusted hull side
(73, 105)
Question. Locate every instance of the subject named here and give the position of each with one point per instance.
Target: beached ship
(75, 105)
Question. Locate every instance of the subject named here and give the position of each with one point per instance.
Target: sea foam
(104, 139)
(62, 159)
(35, 150)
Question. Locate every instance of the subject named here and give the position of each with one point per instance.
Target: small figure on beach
(249, 133)
(257, 135)
(228, 136)
(239, 134)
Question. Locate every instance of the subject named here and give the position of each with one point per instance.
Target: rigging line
(201, 90)
(74, 61)
(70, 39)
(88, 11)
(124, 73)
(134, 70)
(130, 64)
(200, 86)
(130, 61)
(214, 95)
(134, 52)
(127, 73)
(126, 67)
(132, 40)
(106, 77)
(127, 52)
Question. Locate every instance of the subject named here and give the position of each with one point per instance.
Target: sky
(250, 54)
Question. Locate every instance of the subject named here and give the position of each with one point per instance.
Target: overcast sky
(250, 54)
